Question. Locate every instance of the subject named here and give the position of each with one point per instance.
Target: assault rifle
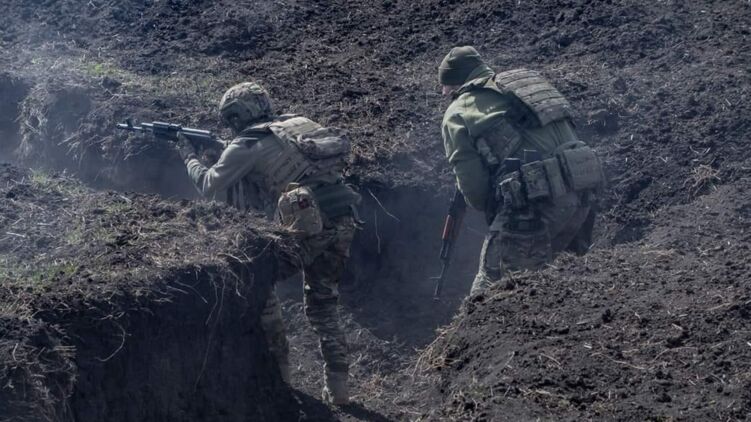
(201, 139)
(457, 209)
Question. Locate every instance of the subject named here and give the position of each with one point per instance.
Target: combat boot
(336, 391)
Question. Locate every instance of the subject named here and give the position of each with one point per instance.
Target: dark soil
(661, 89)
(127, 308)
(12, 91)
(653, 330)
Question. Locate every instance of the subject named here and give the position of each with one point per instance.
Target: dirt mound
(51, 114)
(653, 330)
(128, 308)
(661, 89)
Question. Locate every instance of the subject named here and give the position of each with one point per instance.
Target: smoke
(67, 122)
(395, 257)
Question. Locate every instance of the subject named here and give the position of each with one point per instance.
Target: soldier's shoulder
(450, 113)
(464, 102)
(459, 103)
(249, 137)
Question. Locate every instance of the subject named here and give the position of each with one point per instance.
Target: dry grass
(65, 248)
(702, 178)
(434, 356)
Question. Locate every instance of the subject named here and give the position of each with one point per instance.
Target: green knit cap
(458, 64)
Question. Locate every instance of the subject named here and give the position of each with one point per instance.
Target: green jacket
(475, 109)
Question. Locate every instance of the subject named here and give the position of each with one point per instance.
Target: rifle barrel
(441, 279)
(169, 131)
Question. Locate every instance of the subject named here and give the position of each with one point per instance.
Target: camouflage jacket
(242, 173)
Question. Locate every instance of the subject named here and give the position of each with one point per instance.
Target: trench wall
(199, 355)
(12, 91)
(192, 349)
(389, 283)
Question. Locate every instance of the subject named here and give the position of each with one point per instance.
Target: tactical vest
(539, 103)
(309, 153)
(534, 103)
(564, 163)
(307, 150)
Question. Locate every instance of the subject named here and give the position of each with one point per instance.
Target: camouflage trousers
(324, 258)
(566, 225)
(275, 331)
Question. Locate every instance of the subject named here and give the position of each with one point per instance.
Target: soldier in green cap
(290, 166)
(511, 144)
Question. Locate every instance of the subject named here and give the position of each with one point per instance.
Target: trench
(199, 354)
(180, 359)
(390, 281)
(12, 91)
(388, 285)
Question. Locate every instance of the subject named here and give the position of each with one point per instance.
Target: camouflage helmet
(244, 104)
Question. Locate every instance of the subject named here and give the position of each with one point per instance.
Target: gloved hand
(185, 148)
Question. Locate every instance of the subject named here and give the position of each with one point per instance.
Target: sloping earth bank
(653, 330)
(662, 89)
(127, 308)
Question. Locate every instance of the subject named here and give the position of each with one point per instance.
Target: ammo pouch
(512, 191)
(543, 179)
(573, 168)
(580, 166)
(535, 180)
(336, 200)
(299, 211)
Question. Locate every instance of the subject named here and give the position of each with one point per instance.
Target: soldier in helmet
(510, 141)
(291, 166)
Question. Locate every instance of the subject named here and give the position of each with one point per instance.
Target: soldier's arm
(236, 161)
(471, 174)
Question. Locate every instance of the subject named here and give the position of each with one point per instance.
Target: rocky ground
(650, 324)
